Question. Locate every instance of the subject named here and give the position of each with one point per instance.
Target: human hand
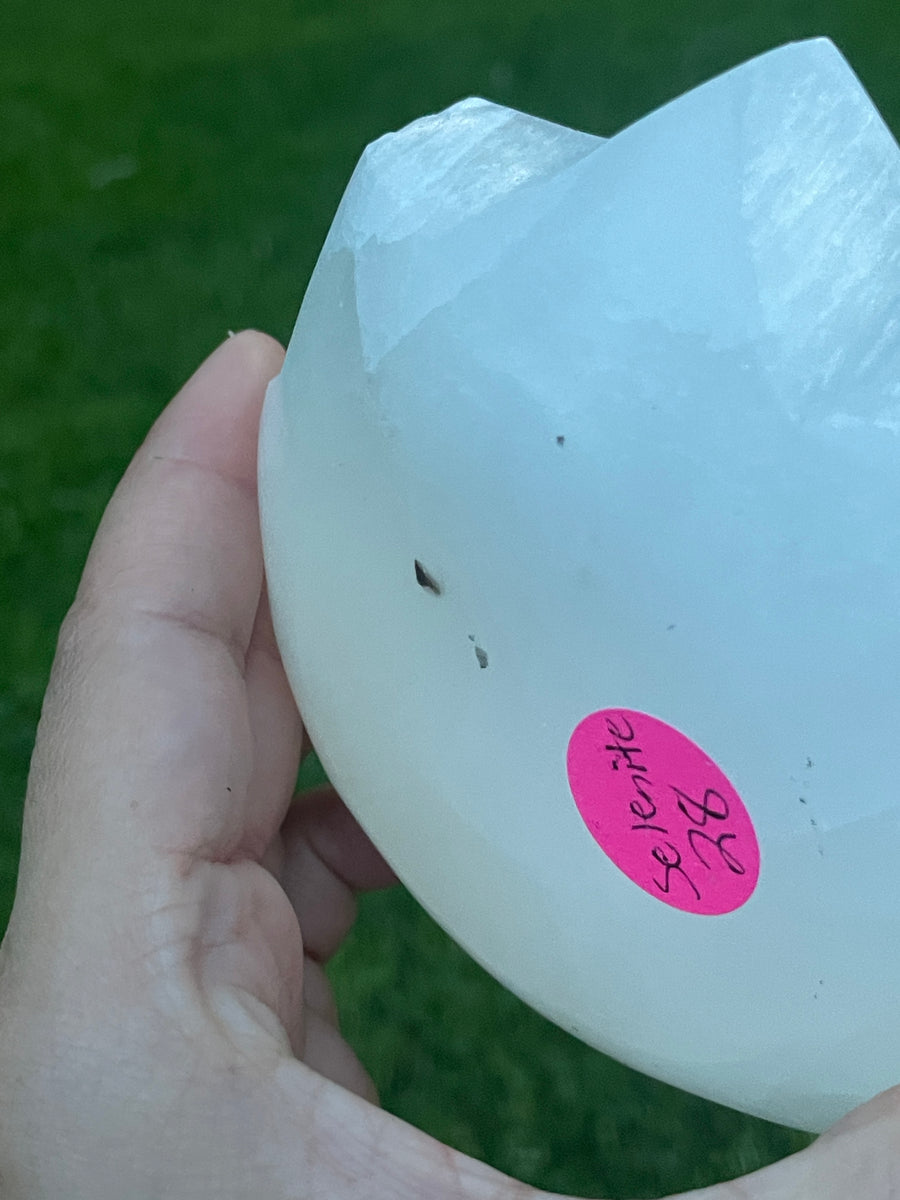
(166, 1027)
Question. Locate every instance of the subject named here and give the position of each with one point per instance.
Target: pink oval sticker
(663, 811)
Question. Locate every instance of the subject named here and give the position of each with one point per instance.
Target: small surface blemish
(669, 628)
(482, 657)
(802, 799)
(426, 580)
(809, 763)
(560, 439)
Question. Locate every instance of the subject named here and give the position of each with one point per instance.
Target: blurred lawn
(167, 172)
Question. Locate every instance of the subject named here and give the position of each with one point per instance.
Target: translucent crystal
(569, 425)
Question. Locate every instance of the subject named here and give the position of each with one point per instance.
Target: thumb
(858, 1157)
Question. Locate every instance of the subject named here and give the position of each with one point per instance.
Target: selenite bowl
(580, 496)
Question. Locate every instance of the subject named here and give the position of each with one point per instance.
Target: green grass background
(168, 172)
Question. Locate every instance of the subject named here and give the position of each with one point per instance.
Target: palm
(168, 692)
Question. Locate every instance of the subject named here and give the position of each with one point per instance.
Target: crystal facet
(570, 427)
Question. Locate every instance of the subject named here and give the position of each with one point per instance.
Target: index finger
(188, 502)
(146, 711)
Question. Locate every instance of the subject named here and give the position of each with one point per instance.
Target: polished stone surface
(570, 425)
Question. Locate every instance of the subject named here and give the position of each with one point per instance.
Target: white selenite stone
(634, 406)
